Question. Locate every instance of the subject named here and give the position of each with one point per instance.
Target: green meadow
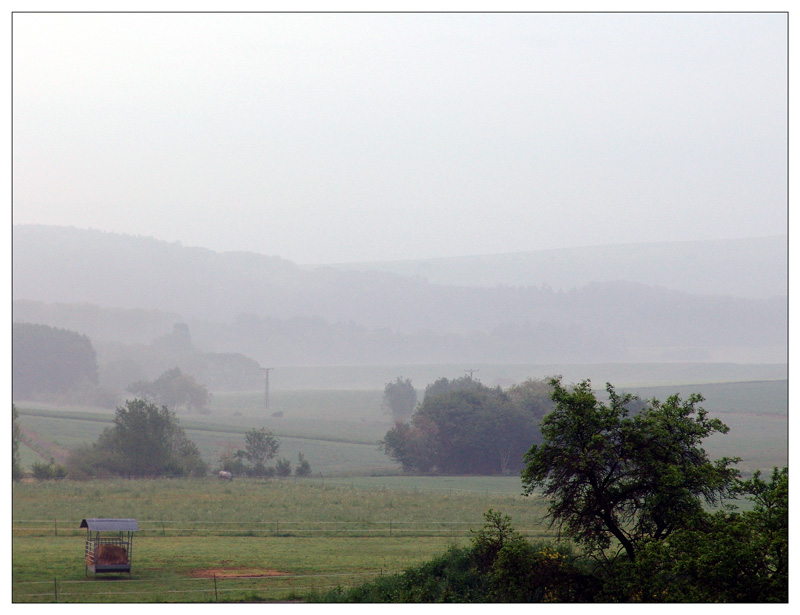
(263, 540)
(356, 517)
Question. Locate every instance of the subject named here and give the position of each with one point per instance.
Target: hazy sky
(327, 138)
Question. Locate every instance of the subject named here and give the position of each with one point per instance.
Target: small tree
(608, 475)
(303, 468)
(16, 436)
(233, 461)
(283, 467)
(48, 471)
(496, 533)
(260, 446)
(400, 398)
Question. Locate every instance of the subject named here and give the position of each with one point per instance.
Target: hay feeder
(109, 544)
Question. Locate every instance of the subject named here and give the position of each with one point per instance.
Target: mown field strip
(250, 568)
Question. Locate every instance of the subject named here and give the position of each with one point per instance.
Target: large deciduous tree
(610, 474)
(465, 427)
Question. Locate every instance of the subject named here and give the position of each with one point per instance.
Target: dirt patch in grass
(44, 447)
(237, 572)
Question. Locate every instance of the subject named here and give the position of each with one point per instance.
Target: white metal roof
(111, 525)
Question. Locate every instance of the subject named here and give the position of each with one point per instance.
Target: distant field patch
(339, 431)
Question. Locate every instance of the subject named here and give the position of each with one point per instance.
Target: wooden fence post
(215, 588)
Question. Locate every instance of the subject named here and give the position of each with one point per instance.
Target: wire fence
(275, 528)
(208, 588)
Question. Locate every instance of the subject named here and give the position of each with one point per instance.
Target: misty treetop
(175, 390)
(465, 427)
(260, 446)
(400, 398)
(126, 363)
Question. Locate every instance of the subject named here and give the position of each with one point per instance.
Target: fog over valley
(233, 203)
(317, 300)
(127, 294)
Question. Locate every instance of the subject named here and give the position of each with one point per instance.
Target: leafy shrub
(450, 577)
(303, 468)
(48, 471)
(283, 467)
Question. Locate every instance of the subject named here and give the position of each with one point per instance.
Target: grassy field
(338, 431)
(206, 540)
(253, 502)
(212, 568)
(333, 429)
(263, 540)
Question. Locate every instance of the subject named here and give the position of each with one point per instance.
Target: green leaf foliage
(613, 477)
(720, 557)
(303, 468)
(283, 467)
(499, 566)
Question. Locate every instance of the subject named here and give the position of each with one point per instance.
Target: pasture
(206, 540)
(249, 539)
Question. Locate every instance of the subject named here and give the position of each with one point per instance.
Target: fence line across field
(214, 585)
(179, 591)
(150, 528)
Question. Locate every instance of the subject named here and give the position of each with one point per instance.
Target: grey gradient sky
(328, 138)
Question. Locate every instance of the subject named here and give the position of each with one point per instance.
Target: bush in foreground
(498, 566)
(720, 557)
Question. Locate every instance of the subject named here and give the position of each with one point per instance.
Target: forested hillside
(754, 268)
(133, 289)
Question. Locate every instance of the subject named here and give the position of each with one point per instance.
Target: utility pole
(470, 372)
(266, 371)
